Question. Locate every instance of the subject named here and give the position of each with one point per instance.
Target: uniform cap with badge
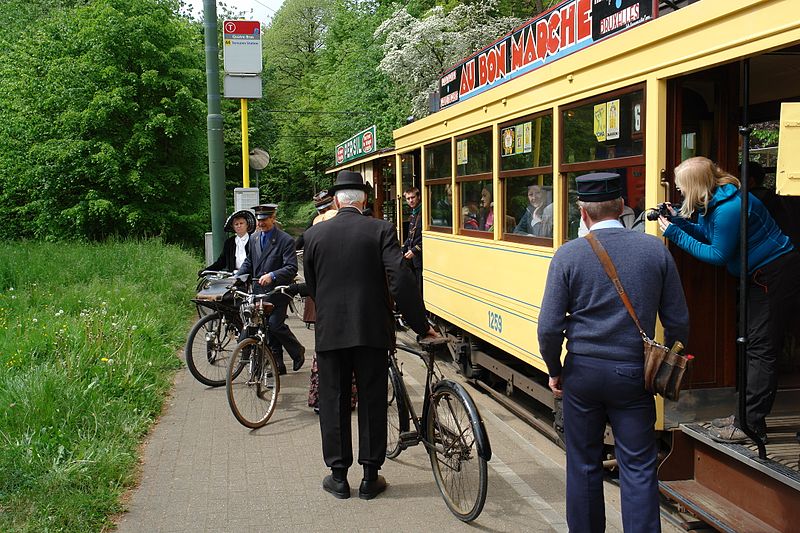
(599, 187)
(265, 211)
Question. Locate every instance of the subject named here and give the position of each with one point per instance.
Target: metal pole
(245, 147)
(216, 145)
(741, 341)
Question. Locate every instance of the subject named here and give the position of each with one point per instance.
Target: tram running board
(543, 426)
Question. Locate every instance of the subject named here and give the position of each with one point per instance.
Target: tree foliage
(103, 128)
(418, 50)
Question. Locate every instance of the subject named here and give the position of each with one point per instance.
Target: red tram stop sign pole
(241, 55)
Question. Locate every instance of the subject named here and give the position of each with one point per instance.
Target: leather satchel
(664, 368)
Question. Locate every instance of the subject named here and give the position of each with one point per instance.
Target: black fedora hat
(347, 179)
(245, 214)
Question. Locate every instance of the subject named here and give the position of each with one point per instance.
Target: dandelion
(11, 289)
(60, 312)
(133, 327)
(35, 320)
(104, 359)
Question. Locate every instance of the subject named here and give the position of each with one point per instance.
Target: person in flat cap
(234, 251)
(353, 270)
(272, 261)
(602, 375)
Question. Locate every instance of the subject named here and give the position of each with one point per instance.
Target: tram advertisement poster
(568, 27)
(362, 143)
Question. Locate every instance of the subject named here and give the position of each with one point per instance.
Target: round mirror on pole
(259, 159)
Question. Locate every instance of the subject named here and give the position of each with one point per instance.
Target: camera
(659, 210)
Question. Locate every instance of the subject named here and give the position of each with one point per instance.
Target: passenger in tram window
(355, 330)
(469, 215)
(602, 378)
(537, 220)
(443, 215)
(486, 213)
(773, 269)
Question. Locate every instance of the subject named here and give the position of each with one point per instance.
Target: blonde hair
(697, 178)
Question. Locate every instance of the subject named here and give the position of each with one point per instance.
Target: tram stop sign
(241, 52)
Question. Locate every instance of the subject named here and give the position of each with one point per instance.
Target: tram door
(410, 168)
(706, 108)
(703, 114)
(385, 189)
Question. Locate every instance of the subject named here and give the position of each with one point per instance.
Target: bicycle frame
(433, 376)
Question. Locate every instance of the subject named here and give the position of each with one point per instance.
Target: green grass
(88, 341)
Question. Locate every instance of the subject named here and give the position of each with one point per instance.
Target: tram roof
(383, 152)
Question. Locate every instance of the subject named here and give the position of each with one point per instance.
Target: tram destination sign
(241, 50)
(568, 27)
(362, 143)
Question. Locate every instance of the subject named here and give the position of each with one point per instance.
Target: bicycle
(450, 428)
(211, 340)
(252, 381)
(206, 279)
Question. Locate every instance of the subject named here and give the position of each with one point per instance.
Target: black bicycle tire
(235, 368)
(189, 351)
(474, 505)
(396, 413)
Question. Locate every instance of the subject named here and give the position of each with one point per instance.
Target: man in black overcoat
(272, 261)
(354, 269)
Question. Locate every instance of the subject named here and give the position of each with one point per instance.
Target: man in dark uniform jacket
(353, 269)
(412, 247)
(603, 374)
(270, 262)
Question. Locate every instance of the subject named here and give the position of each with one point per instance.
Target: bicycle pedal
(409, 438)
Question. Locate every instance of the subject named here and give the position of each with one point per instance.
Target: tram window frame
(527, 172)
(429, 184)
(438, 180)
(593, 164)
(486, 176)
(568, 198)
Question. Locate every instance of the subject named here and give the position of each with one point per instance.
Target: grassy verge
(88, 335)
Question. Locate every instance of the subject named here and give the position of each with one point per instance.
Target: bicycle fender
(481, 436)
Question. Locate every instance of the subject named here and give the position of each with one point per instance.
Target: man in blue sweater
(602, 378)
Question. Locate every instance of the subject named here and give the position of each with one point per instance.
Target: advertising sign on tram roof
(362, 143)
(568, 27)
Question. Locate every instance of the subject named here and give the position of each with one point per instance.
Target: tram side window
(477, 207)
(529, 206)
(526, 171)
(474, 180)
(607, 128)
(438, 172)
(441, 205)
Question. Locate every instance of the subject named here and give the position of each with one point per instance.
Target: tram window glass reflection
(441, 205)
(529, 207)
(438, 161)
(527, 144)
(609, 127)
(474, 154)
(633, 212)
(477, 206)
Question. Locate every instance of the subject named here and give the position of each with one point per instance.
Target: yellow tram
(632, 87)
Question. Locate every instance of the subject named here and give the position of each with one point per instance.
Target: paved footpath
(203, 471)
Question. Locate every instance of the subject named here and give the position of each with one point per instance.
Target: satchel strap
(611, 270)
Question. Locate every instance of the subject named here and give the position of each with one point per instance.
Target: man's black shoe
(371, 487)
(340, 489)
(298, 363)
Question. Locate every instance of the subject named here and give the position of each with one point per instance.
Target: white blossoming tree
(418, 51)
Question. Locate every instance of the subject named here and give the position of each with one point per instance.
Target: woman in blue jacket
(773, 267)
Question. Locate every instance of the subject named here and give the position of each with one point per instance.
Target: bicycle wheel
(208, 349)
(397, 414)
(453, 430)
(252, 383)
